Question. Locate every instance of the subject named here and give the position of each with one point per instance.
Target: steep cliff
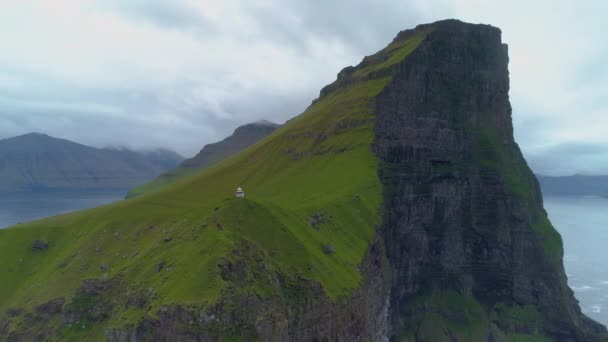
(396, 207)
(463, 218)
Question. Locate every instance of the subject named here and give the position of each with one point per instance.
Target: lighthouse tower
(239, 193)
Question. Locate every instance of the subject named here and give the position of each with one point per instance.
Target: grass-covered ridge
(243, 136)
(394, 53)
(311, 166)
(169, 243)
(383, 60)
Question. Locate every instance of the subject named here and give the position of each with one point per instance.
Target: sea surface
(583, 224)
(23, 207)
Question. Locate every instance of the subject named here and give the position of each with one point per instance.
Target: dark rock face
(54, 306)
(329, 249)
(462, 211)
(93, 287)
(40, 245)
(316, 220)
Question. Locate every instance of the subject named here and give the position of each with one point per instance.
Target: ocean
(583, 224)
(23, 207)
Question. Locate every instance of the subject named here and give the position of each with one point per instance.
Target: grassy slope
(242, 137)
(324, 178)
(321, 162)
(391, 55)
(163, 181)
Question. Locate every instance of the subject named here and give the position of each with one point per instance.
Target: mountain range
(38, 162)
(396, 207)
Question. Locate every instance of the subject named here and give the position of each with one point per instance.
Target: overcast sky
(180, 73)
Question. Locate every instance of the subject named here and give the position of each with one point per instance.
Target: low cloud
(182, 73)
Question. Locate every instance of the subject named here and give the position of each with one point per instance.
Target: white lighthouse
(239, 193)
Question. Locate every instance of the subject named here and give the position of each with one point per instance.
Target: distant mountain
(38, 162)
(161, 159)
(242, 137)
(576, 185)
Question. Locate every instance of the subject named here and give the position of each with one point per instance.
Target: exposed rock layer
(462, 211)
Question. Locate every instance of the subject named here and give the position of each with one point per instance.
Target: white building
(240, 193)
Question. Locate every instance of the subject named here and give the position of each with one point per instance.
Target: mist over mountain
(38, 162)
(242, 137)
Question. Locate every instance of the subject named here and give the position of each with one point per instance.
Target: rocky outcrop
(54, 306)
(39, 245)
(462, 211)
(302, 313)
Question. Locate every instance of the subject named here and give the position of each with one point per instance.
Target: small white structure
(240, 193)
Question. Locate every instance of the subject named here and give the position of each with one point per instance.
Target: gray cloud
(183, 73)
(361, 25)
(164, 13)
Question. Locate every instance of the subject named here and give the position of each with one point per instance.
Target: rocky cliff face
(463, 213)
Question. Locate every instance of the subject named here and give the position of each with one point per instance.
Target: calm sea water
(583, 224)
(16, 208)
(582, 221)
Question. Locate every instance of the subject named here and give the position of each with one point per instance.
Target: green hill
(312, 165)
(397, 206)
(242, 137)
